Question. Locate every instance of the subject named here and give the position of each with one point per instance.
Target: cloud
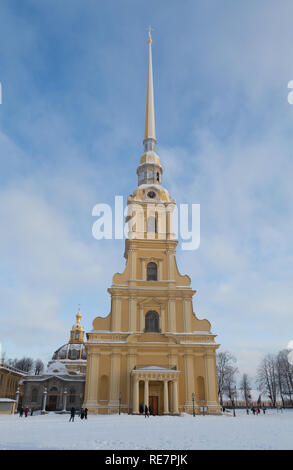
(71, 130)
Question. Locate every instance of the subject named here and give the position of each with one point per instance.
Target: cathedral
(61, 386)
(151, 349)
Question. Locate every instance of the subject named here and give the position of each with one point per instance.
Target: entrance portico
(152, 377)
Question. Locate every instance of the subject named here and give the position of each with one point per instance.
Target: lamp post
(193, 396)
(119, 401)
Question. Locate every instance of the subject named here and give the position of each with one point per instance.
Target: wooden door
(52, 403)
(154, 402)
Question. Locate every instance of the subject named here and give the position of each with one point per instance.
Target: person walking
(81, 414)
(146, 411)
(247, 411)
(26, 412)
(150, 410)
(253, 410)
(21, 412)
(264, 410)
(85, 413)
(72, 414)
(32, 411)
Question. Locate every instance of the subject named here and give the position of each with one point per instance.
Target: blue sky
(73, 77)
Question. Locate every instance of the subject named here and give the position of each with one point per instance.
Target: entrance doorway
(52, 403)
(154, 402)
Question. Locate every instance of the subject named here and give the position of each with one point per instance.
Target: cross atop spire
(150, 29)
(150, 132)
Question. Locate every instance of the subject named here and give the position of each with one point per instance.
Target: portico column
(146, 392)
(64, 399)
(135, 395)
(44, 400)
(166, 398)
(175, 397)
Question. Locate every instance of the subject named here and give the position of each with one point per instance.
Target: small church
(151, 349)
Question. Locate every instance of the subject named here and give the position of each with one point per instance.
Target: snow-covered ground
(52, 431)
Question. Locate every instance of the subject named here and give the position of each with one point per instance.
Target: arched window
(34, 395)
(152, 274)
(152, 322)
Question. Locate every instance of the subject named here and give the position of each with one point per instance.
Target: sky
(73, 77)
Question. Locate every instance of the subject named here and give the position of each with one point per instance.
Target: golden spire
(150, 132)
(78, 316)
(77, 331)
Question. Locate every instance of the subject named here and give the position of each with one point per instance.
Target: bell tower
(150, 208)
(151, 348)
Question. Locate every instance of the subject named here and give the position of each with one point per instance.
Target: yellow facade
(151, 348)
(9, 382)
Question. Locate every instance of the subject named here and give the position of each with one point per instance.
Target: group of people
(25, 411)
(256, 411)
(83, 413)
(147, 410)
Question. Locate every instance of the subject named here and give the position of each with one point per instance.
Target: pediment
(151, 301)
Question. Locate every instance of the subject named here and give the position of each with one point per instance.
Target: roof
(72, 351)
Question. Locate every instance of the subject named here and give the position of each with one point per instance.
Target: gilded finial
(78, 315)
(150, 29)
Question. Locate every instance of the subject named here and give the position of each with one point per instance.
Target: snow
(274, 430)
(6, 400)
(57, 367)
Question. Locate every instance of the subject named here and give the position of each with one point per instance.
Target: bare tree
(38, 366)
(267, 379)
(245, 388)
(226, 372)
(284, 376)
(25, 364)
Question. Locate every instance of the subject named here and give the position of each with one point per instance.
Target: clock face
(151, 194)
